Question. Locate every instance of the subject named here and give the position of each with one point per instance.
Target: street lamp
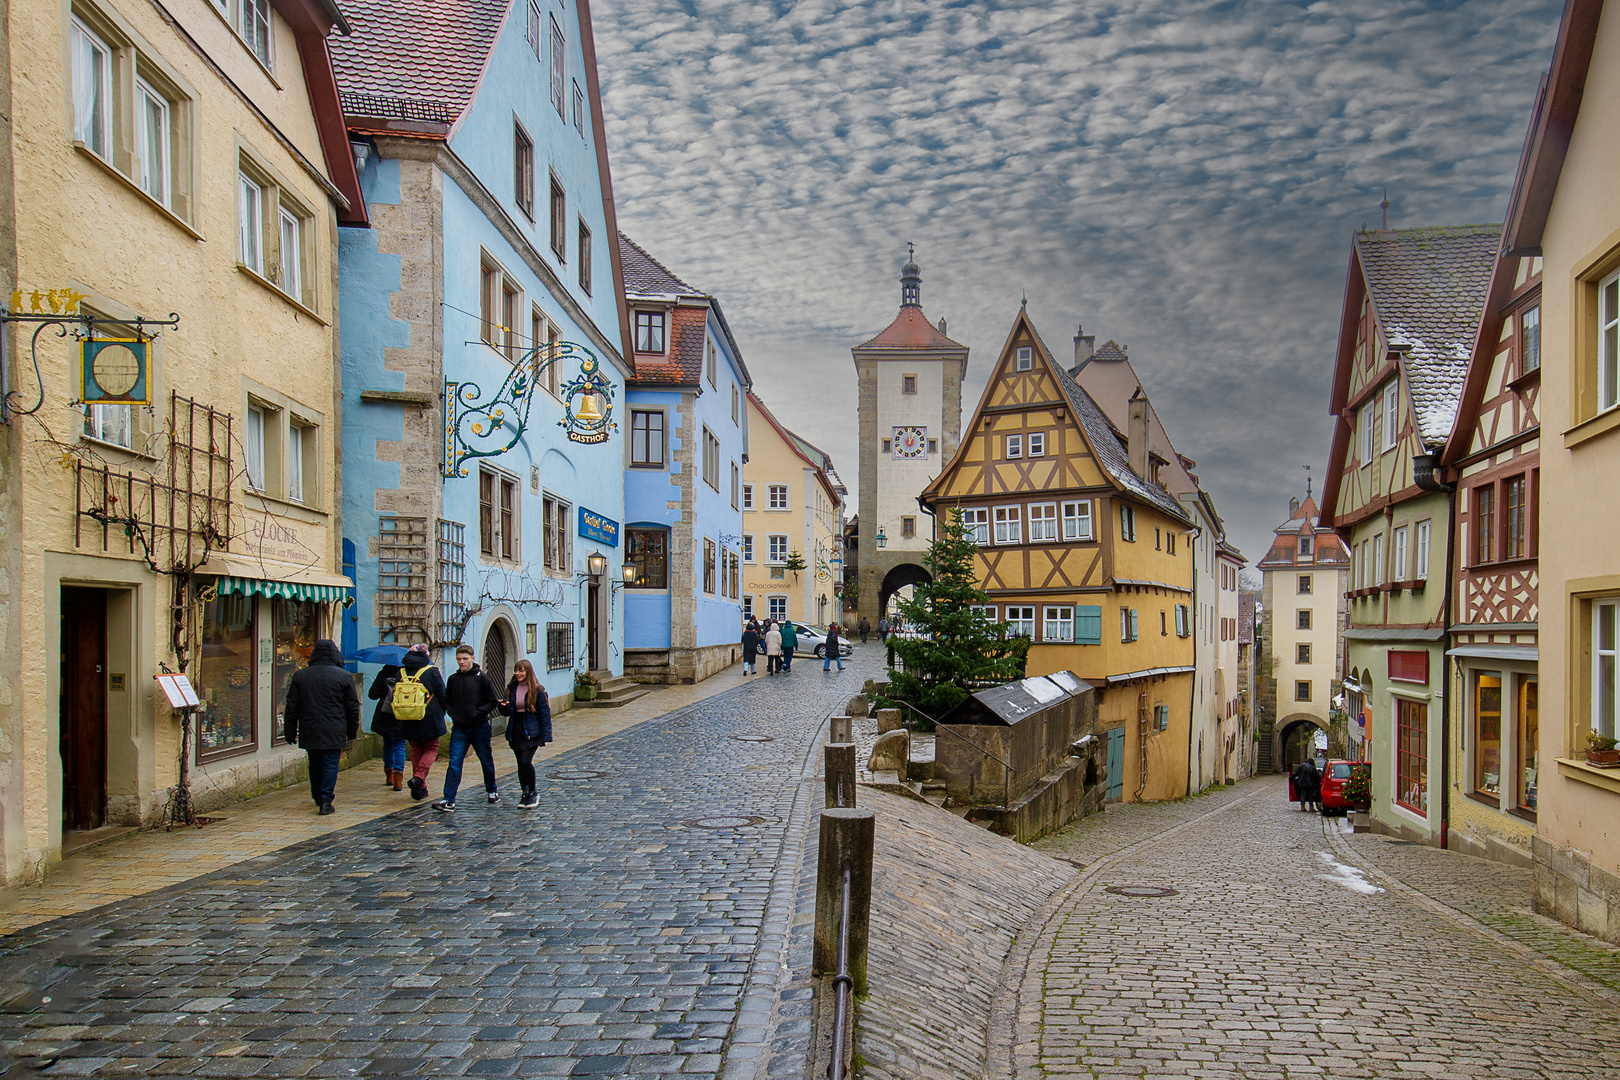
(629, 573)
(882, 541)
(596, 564)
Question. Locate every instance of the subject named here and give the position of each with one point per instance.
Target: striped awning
(291, 590)
(265, 577)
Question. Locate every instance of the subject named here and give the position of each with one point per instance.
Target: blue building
(686, 422)
(483, 338)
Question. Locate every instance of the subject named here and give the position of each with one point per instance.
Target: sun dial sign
(482, 425)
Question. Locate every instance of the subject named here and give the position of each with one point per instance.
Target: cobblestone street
(637, 924)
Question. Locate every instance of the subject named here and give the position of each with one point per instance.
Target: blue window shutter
(1133, 624)
(1088, 624)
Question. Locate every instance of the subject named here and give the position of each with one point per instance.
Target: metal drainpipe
(1445, 669)
(1196, 534)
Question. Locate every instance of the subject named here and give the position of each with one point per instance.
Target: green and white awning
(265, 577)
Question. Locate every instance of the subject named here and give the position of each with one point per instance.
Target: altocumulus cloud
(1181, 176)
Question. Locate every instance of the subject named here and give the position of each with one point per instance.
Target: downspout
(1193, 534)
(1424, 475)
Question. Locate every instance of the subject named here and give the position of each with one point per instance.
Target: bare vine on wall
(514, 585)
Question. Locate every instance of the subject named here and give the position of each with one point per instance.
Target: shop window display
(294, 627)
(225, 667)
(1529, 741)
(1488, 732)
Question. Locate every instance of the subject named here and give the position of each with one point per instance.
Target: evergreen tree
(958, 649)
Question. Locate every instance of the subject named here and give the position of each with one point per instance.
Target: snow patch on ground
(1348, 876)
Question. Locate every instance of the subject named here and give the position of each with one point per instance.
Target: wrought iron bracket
(486, 425)
(66, 322)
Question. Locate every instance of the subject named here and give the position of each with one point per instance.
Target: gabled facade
(484, 339)
(1106, 374)
(1082, 551)
(1565, 210)
(1303, 590)
(1411, 308)
(1235, 758)
(683, 485)
(793, 506)
(188, 161)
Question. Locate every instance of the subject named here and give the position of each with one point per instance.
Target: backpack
(408, 699)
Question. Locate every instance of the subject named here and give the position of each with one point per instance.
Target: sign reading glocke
(593, 526)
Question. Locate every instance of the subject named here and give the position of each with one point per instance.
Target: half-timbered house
(1411, 309)
(1084, 552)
(1493, 456)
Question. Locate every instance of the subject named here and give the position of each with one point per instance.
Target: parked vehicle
(1334, 778)
(813, 642)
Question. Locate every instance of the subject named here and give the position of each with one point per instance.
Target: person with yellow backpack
(417, 703)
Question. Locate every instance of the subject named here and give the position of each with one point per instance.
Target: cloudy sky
(1182, 176)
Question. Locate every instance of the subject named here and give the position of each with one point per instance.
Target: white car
(814, 642)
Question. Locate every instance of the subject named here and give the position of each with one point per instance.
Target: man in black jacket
(470, 699)
(322, 716)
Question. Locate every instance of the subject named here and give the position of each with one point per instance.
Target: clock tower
(910, 379)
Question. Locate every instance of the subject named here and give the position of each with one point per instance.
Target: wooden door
(593, 626)
(1116, 763)
(84, 708)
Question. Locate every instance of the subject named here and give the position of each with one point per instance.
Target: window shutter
(1088, 624)
(1133, 624)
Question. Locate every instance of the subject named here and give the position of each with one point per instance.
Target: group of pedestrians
(413, 702)
(1307, 785)
(777, 640)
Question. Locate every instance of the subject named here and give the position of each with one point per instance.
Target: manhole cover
(753, 738)
(1141, 890)
(725, 821)
(574, 774)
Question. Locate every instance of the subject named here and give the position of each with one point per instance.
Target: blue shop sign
(593, 526)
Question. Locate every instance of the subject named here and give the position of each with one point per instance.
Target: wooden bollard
(840, 770)
(842, 729)
(847, 836)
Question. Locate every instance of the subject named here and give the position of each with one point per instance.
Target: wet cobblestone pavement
(639, 923)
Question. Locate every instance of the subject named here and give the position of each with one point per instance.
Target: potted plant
(585, 685)
(1600, 750)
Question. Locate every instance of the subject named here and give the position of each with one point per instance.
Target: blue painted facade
(445, 215)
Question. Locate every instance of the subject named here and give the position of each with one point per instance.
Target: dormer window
(1026, 357)
(650, 331)
(1307, 548)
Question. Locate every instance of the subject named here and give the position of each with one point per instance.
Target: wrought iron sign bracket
(480, 425)
(67, 320)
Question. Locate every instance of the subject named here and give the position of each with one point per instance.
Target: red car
(1334, 778)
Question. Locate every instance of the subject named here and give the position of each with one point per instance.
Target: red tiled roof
(415, 61)
(684, 364)
(911, 330)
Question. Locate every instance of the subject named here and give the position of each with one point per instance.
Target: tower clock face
(116, 370)
(910, 442)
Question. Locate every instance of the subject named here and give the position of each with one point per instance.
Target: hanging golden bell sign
(590, 409)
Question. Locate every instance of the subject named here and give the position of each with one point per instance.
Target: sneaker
(326, 808)
(418, 789)
(445, 807)
(494, 797)
(530, 800)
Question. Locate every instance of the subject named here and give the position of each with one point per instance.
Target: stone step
(615, 698)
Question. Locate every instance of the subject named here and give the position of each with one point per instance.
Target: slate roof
(1110, 350)
(1428, 288)
(414, 61)
(645, 276)
(912, 332)
(1245, 618)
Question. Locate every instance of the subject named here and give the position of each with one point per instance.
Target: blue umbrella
(382, 654)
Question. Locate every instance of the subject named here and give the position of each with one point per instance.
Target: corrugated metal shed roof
(1011, 702)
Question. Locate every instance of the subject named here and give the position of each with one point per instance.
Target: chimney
(1084, 345)
(1137, 434)
(942, 324)
(1293, 509)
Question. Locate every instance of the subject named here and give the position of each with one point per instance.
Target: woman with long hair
(528, 726)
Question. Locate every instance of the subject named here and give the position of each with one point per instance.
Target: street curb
(1013, 1042)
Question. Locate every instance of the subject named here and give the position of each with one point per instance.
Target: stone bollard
(889, 720)
(841, 729)
(891, 753)
(857, 706)
(840, 770)
(847, 835)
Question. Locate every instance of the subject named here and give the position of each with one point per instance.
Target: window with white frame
(1605, 667)
(92, 90)
(748, 547)
(303, 458)
(1530, 340)
(292, 255)
(1399, 540)
(1021, 621)
(778, 547)
(1378, 559)
(776, 607)
(977, 523)
(1608, 355)
(1391, 413)
(1037, 444)
(987, 610)
(748, 606)
(1077, 520)
(778, 495)
(1009, 525)
(253, 23)
(1127, 523)
(1059, 623)
(1026, 358)
(1043, 522)
(1422, 552)
(1015, 446)
(253, 447)
(1369, 429)
(153, 136)
(274, 232)
(748, 496)
(250, 223)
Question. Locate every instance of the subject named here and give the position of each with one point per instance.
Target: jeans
(525, 760)
(773, 663)
(323, 770)
(422, 756)
(460, 739)
(394, 754)
(787, 659)
(833, 653)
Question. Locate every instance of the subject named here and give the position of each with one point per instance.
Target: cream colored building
(793, 504)
(1565, 207)
(188, 159)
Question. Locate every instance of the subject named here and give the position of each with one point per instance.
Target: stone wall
(1569, 888)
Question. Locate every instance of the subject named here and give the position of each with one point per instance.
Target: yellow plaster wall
(771, 460)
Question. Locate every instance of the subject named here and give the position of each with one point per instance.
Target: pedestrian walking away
(1310, 785)
(321, 717)
(386, 726)
(773, 648)
(883, 631)
(832, 651)
(790, 641)
(470, 699)
(750, 646)
(528, 727)
(418, 705)
(866, 628)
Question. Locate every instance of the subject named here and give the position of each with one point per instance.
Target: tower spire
(911, 279)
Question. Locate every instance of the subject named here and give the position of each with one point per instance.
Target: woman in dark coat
(321, 716)
(528, 727)
(750, 644)
(1310, 785)
(422, 736)
(384, 724)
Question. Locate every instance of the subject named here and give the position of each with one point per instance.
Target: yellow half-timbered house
(1083, 552)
